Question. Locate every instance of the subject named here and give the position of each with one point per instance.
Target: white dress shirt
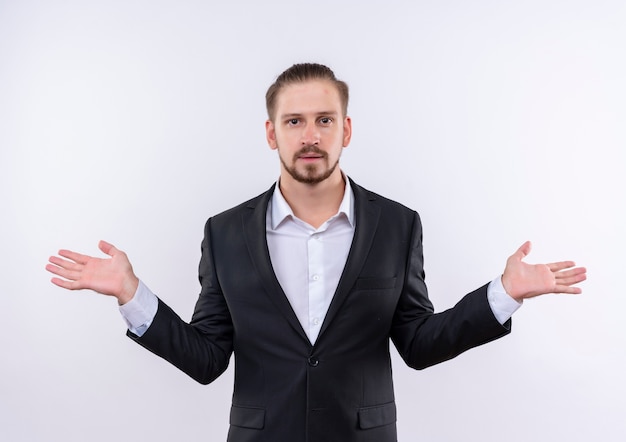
(308, 263)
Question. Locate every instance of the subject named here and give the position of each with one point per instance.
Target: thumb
(107, 248)
(523, 251)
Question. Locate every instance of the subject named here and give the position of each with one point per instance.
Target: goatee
(310, 174)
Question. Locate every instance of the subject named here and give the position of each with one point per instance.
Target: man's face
(309, 131)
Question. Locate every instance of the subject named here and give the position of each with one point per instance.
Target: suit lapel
(367, 216)
(254, 226)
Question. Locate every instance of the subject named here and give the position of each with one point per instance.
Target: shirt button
(313, 361)
(316, 277)
(316, 321)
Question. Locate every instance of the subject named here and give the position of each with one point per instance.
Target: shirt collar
(280, 209)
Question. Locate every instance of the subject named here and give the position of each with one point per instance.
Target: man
(307, 283)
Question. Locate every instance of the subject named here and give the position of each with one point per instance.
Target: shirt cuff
(502, 305)
(139, 312)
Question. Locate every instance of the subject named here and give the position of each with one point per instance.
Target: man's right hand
(112, 276)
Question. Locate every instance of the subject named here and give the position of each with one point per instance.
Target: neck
(313, 203)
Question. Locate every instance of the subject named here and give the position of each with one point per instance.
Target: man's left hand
(522, 280)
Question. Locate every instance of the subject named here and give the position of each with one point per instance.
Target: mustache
(311, 148)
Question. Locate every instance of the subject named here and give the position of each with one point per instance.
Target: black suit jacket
(340, 389)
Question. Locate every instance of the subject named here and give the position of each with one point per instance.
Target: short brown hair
(300, 73)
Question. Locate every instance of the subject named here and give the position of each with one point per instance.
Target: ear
(270, 134)
(347, 131)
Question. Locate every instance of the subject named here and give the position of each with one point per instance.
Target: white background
(134, 121)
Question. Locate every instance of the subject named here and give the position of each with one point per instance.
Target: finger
(561, 265)
(107, 248)
(523, 250)
(569, 273)
(53, 269)
(63, 273)
(63, 283)
(60, 282)
(567, 290)
(76, 257)
(64, 263)
(571, 280)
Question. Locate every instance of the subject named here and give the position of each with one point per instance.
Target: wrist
(509, 290)
(129, 288)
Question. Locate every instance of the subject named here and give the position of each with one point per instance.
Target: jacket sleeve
(424, 338)
(202, 348)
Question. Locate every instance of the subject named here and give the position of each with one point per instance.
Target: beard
(312, 173)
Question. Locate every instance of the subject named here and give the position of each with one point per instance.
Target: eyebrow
(298, 114)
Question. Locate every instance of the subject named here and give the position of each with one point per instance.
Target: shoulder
(393, 217)
(365, 196)
(257, 204)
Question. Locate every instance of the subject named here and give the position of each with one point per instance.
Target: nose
(310, 135)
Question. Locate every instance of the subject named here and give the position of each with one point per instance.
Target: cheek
(285, 138)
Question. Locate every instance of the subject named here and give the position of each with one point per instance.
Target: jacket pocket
(371, 417)
(374, 283)
(247, 417)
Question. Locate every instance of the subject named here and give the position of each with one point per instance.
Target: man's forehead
(306, 94)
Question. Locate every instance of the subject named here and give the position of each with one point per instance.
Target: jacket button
(313, 361)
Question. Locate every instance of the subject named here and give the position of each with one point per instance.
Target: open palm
(110, 276)
(522, 280)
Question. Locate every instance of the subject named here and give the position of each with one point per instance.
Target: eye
(325, 121)
(292, 121)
